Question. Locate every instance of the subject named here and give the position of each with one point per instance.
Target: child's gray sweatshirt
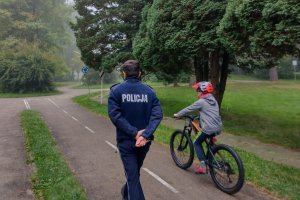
(210, 119)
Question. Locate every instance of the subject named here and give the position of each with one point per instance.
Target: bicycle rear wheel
(226, 169)
(182, 149)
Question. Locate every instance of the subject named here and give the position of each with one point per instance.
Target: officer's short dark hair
(131, 68)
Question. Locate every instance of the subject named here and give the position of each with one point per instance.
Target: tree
(104, 30)
(28, 70)
(151, 51)
(41, 22)
(32, 34)
(184, 32)
(261, 32)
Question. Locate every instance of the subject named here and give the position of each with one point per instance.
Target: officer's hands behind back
(140, 140)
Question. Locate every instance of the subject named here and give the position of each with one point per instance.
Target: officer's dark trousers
(132, 158)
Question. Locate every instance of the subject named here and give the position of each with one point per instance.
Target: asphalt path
(14, 172)
(87, 142)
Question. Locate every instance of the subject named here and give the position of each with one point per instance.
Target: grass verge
(22, 95)
(280, 180)
(53, 178)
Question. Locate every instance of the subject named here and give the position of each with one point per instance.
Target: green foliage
(26, 70)
(175, 35)
(180, 36)
(150, 44)
(53, 178)
(105, 29)
(37, 21)
(32, 33)
(285, 68)
(113, 61)
(93, 78)
(264, 31)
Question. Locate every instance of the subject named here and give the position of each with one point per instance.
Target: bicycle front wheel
(226, 169)
(182, 149)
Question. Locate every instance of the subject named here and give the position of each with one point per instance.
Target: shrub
(28, 70)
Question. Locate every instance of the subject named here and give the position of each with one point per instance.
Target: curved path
(87, 142)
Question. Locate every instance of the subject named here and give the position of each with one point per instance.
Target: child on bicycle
(210, 119)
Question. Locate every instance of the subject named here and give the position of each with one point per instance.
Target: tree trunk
(201, 67)
(198, 69)
(223, 78)
(214, 71)
(192, 79)
(206, 67)
(273, 74)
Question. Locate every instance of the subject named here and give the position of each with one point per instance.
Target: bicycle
(224, 164)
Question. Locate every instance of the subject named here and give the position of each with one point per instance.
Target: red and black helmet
(203, 87)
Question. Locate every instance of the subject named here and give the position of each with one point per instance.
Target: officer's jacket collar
(132, 79)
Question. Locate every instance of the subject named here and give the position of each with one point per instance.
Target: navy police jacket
(133, 106)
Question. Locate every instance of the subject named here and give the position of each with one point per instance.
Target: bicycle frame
(192, 125)
(224, 164)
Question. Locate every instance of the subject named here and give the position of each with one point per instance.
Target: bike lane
(14, 172)
(87, 142)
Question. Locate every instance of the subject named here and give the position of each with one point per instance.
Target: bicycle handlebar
(191, 117)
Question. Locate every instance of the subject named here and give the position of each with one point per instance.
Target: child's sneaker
(201, 169)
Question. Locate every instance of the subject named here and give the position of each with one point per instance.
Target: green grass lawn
(53, 178)
(268, 111)
(241, 77)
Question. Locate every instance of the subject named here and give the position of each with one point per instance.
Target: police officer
(135, 111)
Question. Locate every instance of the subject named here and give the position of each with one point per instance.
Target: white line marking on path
(53, 102)
(26, 104)
(113, 146)
(74, 118)
(161, 181)
(116, 150)
(89, 129)
(62, 109)
(150, 172)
